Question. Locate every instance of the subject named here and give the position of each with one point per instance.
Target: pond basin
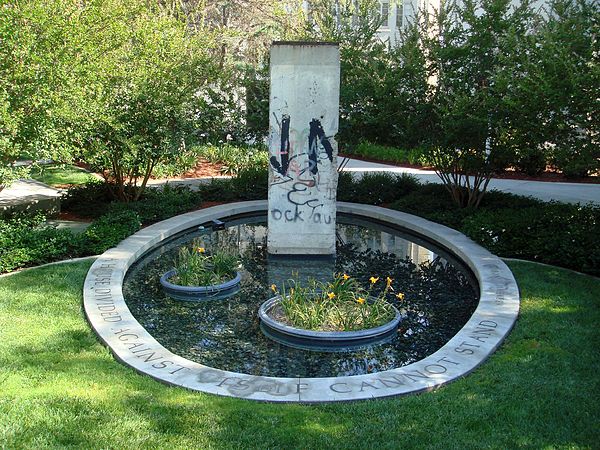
(441, 295)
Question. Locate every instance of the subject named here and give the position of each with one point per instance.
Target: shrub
(161, 203)
(531, 161)
(27, 241)
(235, 159)
(375, 188)
(555, 233)
(218, 191)
(251, 184)
(345, 187)
(108, 231)
(88, 200)
(182, 163)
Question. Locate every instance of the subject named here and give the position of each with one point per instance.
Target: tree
(567, 50)
(467, 103)
(40, 99)
(149, 84)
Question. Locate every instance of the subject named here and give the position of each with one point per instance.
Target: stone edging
(492, 320)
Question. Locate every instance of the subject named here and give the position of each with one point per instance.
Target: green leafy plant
(195, 267)
(234, 159)
(28, 241)
(339, 305)
(107, 231)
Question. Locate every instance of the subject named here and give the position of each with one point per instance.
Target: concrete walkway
(30, 196)
(563, 192)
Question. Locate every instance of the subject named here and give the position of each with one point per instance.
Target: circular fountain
(154, 335)
(459, 303)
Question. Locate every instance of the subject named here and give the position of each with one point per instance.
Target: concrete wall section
(304, 108)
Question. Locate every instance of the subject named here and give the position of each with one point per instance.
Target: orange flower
(360, 300)
(374, 280)
(400, 296)
(331, 295)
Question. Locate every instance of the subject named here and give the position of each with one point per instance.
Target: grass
(61, 174)
(59, 387)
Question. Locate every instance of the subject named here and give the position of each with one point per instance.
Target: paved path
(564, 192)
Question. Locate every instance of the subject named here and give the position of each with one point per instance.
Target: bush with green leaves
(251, 184)
(26, 241)
(161, 203)
(385, 153)
(235, 158)
(107, 231)
(375, 188)
(552, 233)
(90, 200)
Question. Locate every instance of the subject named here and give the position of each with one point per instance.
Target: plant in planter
(330, 316)
(198, 274)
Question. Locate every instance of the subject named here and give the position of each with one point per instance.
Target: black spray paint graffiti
(316, 136)
(300, 179)
(284, 150)
(316, 131)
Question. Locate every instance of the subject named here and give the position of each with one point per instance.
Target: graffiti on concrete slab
(295, 160)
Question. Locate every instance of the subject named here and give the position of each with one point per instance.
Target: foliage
(553, 233)
(375, 188)
(150, 82)
(235, 158)
(107, 231)
(557, 90)
(27, 241)
(467, 102)
(10, 173)
(339, 305)
(251, 184)
(9, 150)
(184, 161)
(388, 154)
(41, 96)
(194, 267)
(89, 200)
(518, 227)
(161, 203)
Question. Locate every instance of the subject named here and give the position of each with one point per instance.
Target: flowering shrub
(195, 267)
(339, 305)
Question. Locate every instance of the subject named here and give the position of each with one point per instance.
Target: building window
(399, 14)
(385, 12)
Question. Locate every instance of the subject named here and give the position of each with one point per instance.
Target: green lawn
(59, 387)
(61, 174)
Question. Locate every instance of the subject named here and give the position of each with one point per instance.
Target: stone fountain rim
(494, 317)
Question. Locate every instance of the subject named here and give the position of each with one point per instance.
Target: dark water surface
(440, 296)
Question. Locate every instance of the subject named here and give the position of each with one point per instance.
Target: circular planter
(199, 293)
(330, 341)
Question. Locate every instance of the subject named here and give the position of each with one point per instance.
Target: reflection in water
(439, 299)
